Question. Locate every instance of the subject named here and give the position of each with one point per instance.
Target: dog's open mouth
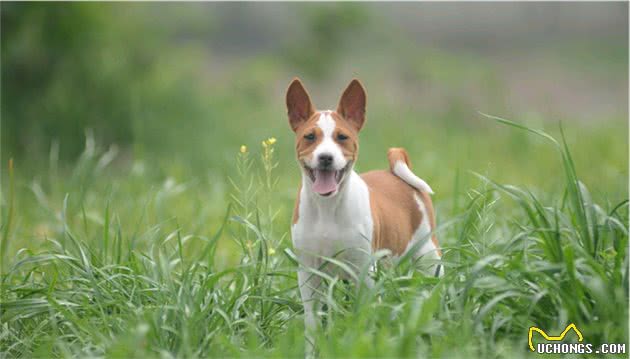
(326, 181)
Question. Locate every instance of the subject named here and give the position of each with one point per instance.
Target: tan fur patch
(305, 147)
(395, 212)
(349, 146)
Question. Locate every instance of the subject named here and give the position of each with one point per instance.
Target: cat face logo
(552, 338)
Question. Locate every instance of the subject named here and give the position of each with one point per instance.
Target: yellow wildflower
(271, 140)
(243, 149)
(271, 251)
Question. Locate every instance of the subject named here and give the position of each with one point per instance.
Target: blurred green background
(173, 90)
(125, 122)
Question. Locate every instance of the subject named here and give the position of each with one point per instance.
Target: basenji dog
(339, 213)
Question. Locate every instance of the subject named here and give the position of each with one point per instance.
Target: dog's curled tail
(400, 165)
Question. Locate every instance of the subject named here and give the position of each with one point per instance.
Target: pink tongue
(325, 182)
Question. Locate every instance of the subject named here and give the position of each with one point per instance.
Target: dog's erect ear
(352, 104)
(299, 105)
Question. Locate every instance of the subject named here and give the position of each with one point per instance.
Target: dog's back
(401, 207)
(400, 212)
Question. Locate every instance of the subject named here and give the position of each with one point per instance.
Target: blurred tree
(329, 29)
(65, 69)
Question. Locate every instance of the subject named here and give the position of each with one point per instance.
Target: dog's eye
(310, 137)
(342, 137)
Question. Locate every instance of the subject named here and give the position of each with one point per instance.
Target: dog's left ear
(352, 104)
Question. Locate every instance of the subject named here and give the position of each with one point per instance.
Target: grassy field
(146, 208)
(96, 262)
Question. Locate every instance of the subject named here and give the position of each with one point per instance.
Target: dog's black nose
(325, 159)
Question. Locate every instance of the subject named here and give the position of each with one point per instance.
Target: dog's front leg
(309, 286)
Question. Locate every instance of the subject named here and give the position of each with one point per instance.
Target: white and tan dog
(339, 212)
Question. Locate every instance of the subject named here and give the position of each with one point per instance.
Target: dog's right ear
(299, 105)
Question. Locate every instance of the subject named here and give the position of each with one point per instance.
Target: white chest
(340, 226)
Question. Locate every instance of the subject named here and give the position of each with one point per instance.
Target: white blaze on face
(328, 145)
(326, 179)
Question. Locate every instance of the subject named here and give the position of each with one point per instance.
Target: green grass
(100, 260)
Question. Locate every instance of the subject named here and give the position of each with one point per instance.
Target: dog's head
(327, 142)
